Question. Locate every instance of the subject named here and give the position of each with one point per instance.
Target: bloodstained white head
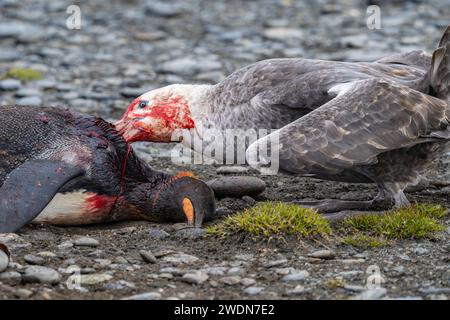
(155, 115)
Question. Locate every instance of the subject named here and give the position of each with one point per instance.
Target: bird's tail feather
(440, 68)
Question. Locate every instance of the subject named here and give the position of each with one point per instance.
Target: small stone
(163, 9)
(4, 260)
(231, 281)
(275, 263)
(196, 277)
(129, 92)
(92, 279)
(11, 277)
(420, 250)
(10, 84)
(120, 285)
(283, 33)
(237, 186)
(299, 289)
(145, 296)
(434, 290)
(323, 254)
(31, 259)
(231, 170)
(298, 275)
(371, 294)
(354, 288)
(65, 245)
(23, 293)
(215, 271)
(248, 282)
(29, 101)
(253, 290)
(351, 261)
(236, 271)
(157, 234)
(27, 92)
(148, 257)
(180, 258)
(189, 233)
(41, 275)
(174, 271)
(86, 242)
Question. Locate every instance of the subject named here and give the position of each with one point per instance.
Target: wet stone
(10, 84)
(148, 257)
(237, 186)
(32, 259)
(10, 277)
(322, 254)
(253, 290)
(86, 242)
(41, 275)
(189, 233)
(196, 277)
(145, 296)
(157, 234)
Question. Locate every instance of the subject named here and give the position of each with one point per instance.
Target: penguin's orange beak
(189, 211)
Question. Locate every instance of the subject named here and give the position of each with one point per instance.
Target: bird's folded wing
(365, 119)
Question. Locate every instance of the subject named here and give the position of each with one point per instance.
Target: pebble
(275, 263)
(23, 293)
(237, 186)
(145, 296)
(41, 274)
(232, 170)
(189, 233)
(188, 67)
(434, 290)
(230, 281)
(157, 234)
(86, 242)
(4, 260)
(236, 271)
(148, 256)
(253, 290)
(371, 294)
(163, 9)
(32, 259)
(27, 92)
(247, 282)
(322, 254)
(92, 279)
(283, 33)
(180, 258)
(10, 277)
(29, 101)
(196, 277)
(215, 271)
(298, 275)
(10, 84)
(299, 289)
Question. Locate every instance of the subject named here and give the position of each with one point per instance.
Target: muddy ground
(408, 269)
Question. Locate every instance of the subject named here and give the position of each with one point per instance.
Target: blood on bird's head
(155, 116)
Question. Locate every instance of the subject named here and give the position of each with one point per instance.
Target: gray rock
(275, 263)
(7, 55)
(195, 277)
(253, 290)
(145, 296)
(157, 234)
(189, 233)
(297, 275)
(129, 92)
(163, 9)
(323, 254)
(237, 186)
(248, 281)
(32, 259)
(283, 33)
(231, 281)
(29, 101)
(189, 67)
(41, 275)
(10, 277)
(120, 285)
(371, 294)
(15, 29)
(148, 256)
(434, 290)
(299, 289)
(86, 242)
(27, 92)
(236, 271)
(215, 271)
(10, 84)
(93, 279)
(231, 170)
(4, 260)
(180, 258)
(23, 293)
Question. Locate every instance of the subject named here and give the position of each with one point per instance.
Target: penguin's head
(181, 198)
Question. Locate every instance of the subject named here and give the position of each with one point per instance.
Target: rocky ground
(127, 47)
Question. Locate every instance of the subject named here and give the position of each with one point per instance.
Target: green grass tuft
(23, 74)
(418, 221)
(270, 219)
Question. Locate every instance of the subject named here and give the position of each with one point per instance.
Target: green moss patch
(23, 74)
(269, 219)
(418, 221)
(365, 241)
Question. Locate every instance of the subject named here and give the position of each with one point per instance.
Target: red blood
(100, 203)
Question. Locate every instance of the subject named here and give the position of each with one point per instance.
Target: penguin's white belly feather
(69, 209)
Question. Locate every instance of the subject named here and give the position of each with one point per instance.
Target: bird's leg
(382, 201)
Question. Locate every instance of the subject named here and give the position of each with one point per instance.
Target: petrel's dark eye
(143, 104)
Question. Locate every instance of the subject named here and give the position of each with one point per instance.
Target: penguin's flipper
(28, 189)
